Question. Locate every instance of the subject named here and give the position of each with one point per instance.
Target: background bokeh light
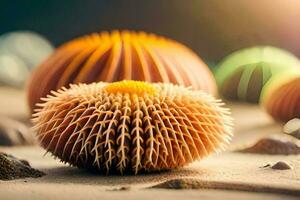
(212, 28)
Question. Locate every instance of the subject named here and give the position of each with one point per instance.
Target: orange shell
(282, 98)
(120, 56)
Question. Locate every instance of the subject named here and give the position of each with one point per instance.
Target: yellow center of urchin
(131, 87)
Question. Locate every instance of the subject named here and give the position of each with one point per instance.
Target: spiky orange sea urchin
(131, 126)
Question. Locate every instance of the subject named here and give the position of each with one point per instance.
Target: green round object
(242, 74)
(13, 70)
(20, 53)
(31, 47)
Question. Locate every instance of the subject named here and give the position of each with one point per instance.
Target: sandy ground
(226, 168)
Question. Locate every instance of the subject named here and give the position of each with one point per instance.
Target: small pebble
(282, 165)
(267, 165)
(123, 188)
(292, 128)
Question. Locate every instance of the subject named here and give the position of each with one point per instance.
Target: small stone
(13, 168)
(292, 128)
(267, 165)
(282, 165)
(123, 188)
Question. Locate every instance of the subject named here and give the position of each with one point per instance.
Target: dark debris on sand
(180, 184)
(282, 165)
(13, 168)
(190, 183)
(273, 147)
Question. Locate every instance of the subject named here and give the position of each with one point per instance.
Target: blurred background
(30, 31)
(212, 28)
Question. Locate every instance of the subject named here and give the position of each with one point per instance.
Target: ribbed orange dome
(120, 56)
(281, 97)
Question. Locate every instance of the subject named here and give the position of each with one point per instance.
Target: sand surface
(222, 171)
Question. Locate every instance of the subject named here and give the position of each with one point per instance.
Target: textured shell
(243, 74)
(119, 56)
(89, 127)
(281, 96)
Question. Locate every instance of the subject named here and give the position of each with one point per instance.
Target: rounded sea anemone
(131, 126)
(120, 56)
(242, 74)
(281, 96)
